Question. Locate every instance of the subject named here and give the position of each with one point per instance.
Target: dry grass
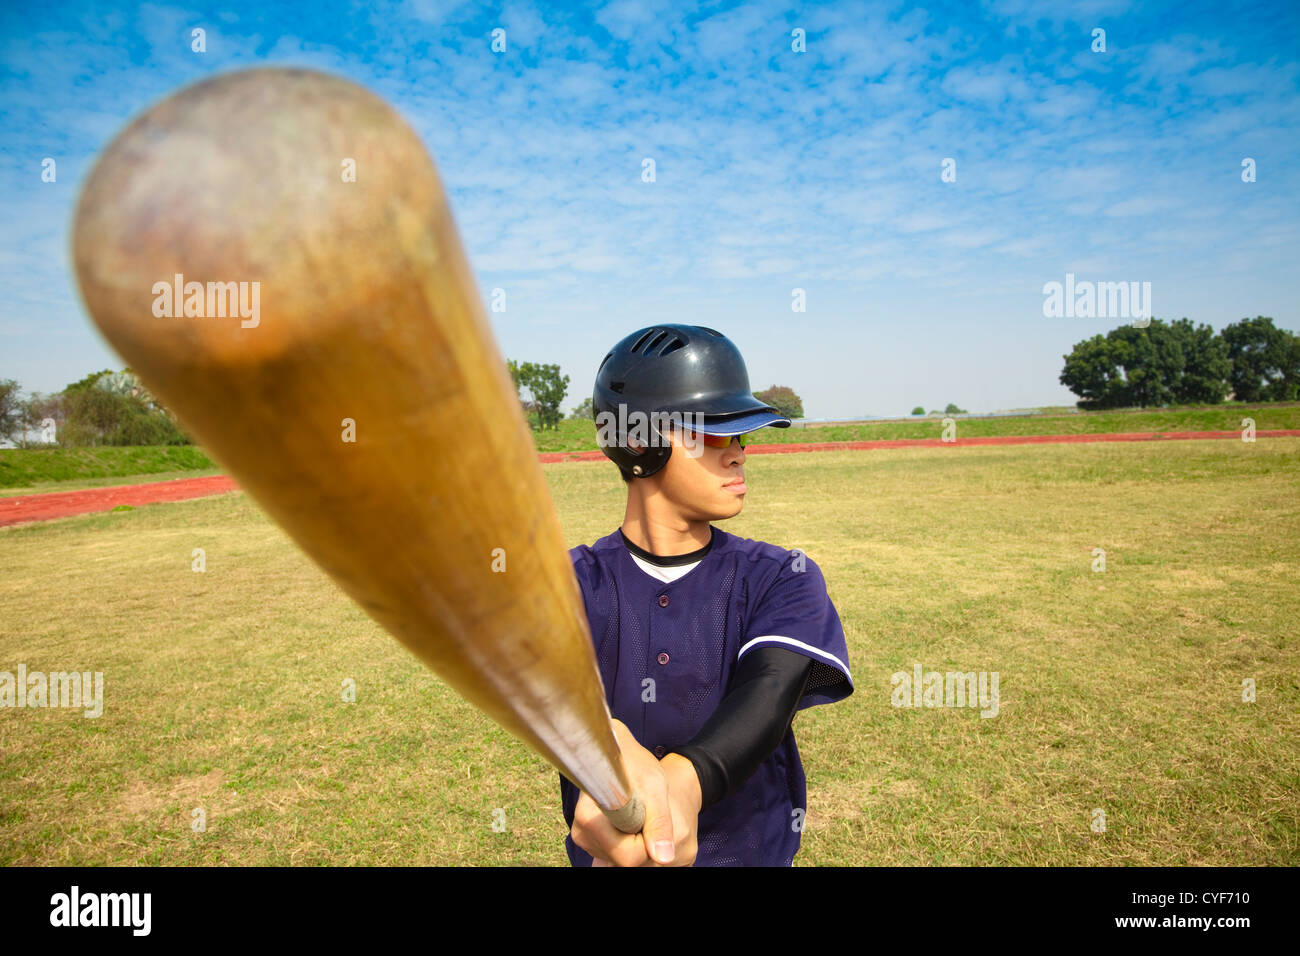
(1119, 690)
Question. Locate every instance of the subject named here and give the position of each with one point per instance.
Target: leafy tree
(1204, 378)
(11, 426)
(952, 409)
(126, 382)
(1127, 367)
(1153, 361)
(548, 388)
(1290, 384)
(86, 382)
(107, 408)
(92, 415)
(1264, 361)
(528, 405)
(919, 410)
(1092, 373)
(783, 399)
(586, 410)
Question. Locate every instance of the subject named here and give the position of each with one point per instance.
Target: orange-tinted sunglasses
(712, 441)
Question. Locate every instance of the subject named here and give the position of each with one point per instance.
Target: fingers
(596, 835)
(648, 779)
(656, 844)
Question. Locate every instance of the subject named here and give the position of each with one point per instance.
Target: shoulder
(792, 610)
(588, 559)
(766, 563)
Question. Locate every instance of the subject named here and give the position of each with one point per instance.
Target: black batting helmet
(672, 369)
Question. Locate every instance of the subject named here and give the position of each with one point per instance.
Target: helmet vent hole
(637, 347)
(672, 346)
(663, 334)
(602, 362)
(617, 387)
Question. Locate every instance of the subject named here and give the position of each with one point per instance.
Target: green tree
(126, 382)
(919, 410)
(1153, 361)
(586, 410)
(1204, 378)
(783, 399)
(952, 409)
(86, 382)
(528, 405)
(1092, 373)
(1128, 367)
(11, 410)
(1290, 384)
(1264, 361)
(93, 415)
(547, 387)
(112, 408)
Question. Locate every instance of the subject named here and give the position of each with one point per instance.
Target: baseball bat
(272, 252)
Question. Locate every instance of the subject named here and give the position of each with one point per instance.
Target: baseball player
(707, 643)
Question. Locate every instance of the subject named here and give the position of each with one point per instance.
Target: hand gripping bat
(272, 252)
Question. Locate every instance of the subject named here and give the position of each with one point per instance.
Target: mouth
(736, 485)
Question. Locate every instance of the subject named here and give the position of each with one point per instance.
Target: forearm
(749, 724)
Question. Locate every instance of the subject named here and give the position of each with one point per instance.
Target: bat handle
(628, 818)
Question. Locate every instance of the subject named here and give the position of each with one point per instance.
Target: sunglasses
(711, 441)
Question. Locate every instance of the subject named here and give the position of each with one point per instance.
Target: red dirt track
(62, 504)
(22, 509)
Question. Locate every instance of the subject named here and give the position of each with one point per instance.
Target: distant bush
(97, 416)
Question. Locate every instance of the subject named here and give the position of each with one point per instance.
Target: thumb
(658, 827)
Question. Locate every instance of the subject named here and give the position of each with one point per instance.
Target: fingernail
(664, 851)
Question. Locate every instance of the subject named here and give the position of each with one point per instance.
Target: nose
(735, 452)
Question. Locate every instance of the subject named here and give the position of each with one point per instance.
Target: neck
(654, 524)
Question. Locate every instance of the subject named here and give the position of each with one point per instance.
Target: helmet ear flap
(648, 460)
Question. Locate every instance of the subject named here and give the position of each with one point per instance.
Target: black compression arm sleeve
(751, 721)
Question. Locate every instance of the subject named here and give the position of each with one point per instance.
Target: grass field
(25, 471)
(579, 436)
(1119, 690)
(31, 471)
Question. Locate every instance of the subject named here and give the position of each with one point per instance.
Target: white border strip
(808, 647)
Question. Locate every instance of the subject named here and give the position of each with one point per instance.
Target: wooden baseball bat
(272, 252)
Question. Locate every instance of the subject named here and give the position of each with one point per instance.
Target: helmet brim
(740, 424)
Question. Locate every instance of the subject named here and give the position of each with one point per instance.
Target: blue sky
(775, 170)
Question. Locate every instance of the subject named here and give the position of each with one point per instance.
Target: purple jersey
(667, 650)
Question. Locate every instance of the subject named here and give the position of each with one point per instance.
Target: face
(703, 487)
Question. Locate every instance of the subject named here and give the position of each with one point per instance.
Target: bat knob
(628, 818)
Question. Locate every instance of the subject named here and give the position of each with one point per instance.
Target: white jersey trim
(807, 647)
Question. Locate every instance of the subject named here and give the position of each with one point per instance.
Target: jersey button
(659, 752)
(663, 600)
(663, 657)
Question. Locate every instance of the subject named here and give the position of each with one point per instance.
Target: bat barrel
(273, 253)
